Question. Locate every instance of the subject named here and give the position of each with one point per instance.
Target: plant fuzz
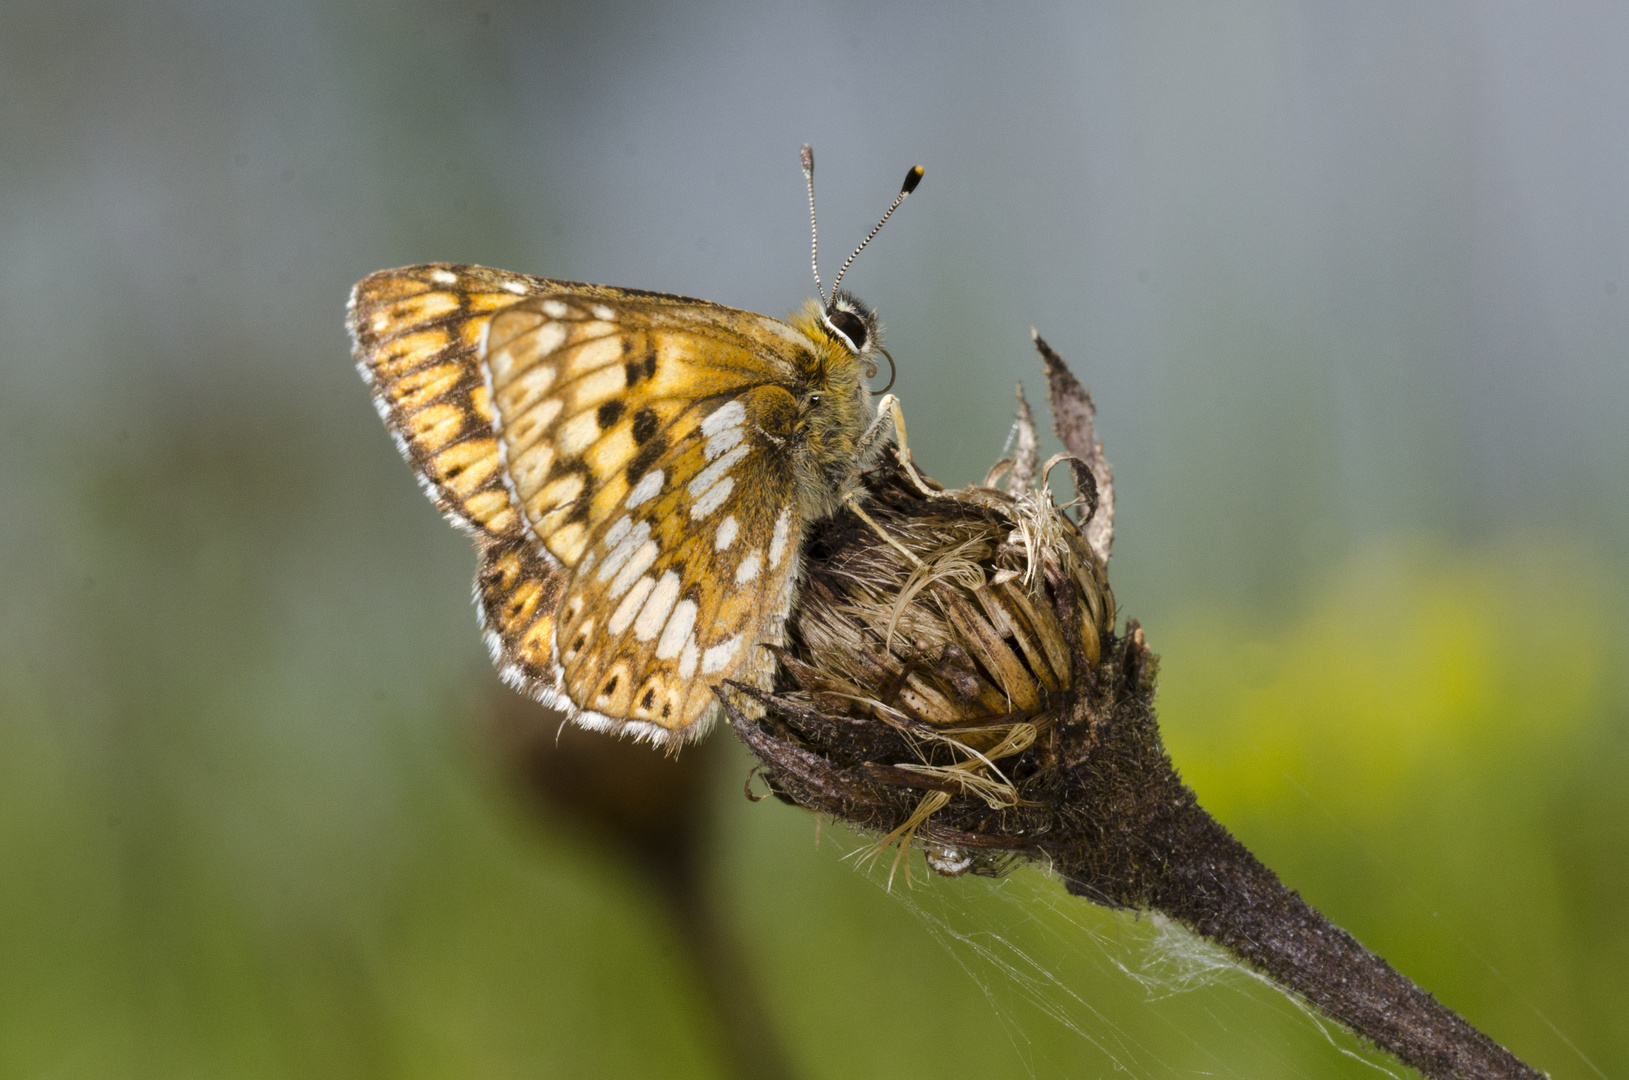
(958, 686)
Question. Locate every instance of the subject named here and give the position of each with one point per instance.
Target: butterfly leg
(888, 410)
(879, 427)
(854, 505)
(889, 413)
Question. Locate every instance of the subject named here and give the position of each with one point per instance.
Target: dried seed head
(945, 659)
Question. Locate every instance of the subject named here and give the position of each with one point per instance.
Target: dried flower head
(932, 670)
(953, 660)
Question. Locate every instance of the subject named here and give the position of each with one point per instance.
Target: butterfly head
(847, 340)
(844, 318)
(853, 325)
(833, 399)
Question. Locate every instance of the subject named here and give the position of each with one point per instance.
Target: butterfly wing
(415, 333)
(621, 457)
(647, 441)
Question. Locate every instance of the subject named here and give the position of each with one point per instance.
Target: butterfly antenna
(912, 178)
(814, 230)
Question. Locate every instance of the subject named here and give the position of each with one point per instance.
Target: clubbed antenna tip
(912, 178)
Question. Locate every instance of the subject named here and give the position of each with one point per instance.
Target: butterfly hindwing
(679, 588)
(645, 438)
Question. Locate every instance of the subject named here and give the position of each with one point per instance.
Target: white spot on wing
(443, 277)
(623, 615)
(615, 533)
(656, 609)
(554, 309)
(687, 657)
(710, 475)
(677, 632)
(627, 542)
(516, 287)
(602, 312)
(646, 489)
(777, 545)
(713, 499)
(719, 656)
(726, 533)
(724, 440)
(640, 561)
(728, 415)
(748, 570)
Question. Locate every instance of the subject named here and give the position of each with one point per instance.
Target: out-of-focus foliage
(1410, 661)
(1434, 753)
(1350, 284)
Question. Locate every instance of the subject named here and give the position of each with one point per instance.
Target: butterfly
(638, 469)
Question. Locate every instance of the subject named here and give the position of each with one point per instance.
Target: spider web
(1082, 991)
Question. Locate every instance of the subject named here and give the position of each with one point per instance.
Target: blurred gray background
(1350, 284)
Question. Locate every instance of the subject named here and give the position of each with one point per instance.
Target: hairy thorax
(834, 410)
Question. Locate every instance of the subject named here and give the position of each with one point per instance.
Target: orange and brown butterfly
(638, 470)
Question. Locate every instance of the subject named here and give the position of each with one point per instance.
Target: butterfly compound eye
(850, 326)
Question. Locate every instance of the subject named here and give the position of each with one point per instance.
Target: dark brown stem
(1171, 856)
(1221, 891)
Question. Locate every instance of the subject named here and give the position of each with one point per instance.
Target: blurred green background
(1350, 283)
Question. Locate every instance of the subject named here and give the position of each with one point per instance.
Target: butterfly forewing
(416, 333)
(517, 592)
